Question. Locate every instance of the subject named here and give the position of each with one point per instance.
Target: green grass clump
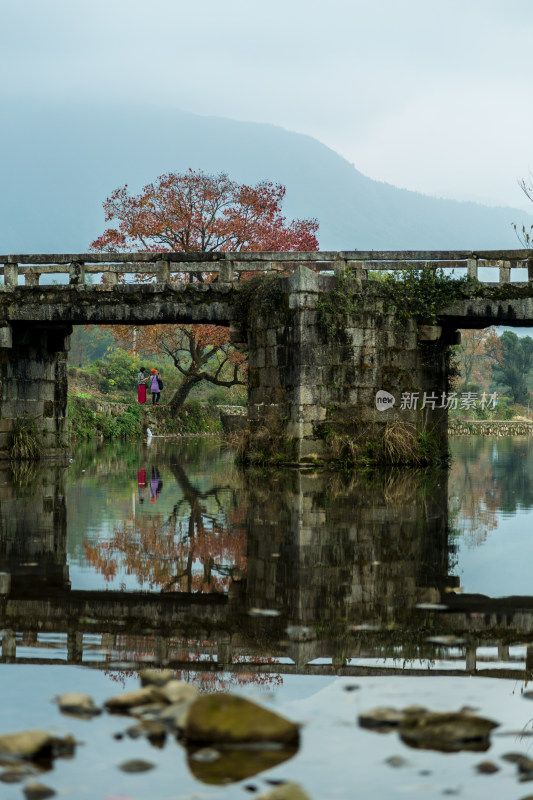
(25, 442)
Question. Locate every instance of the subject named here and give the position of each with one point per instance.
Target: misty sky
(432, 96)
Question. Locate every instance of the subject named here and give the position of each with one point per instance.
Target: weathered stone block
(429, 333)
(303, 280)
(282, 355)
(271, 356)
(312, 413)
(303, 301)
(310, 449)
(5, 583)
(53, 424)
(369, 337)
(305, 395)
(29, 390)
(11, 273)
(260, 357)
(6, 336)
(271, 337)
(299, 429)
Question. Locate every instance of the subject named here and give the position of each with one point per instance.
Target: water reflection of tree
(198, 547)
(198, 665)
(474, 494)
(489, 475)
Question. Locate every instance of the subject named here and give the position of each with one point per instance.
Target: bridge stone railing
(227, 266)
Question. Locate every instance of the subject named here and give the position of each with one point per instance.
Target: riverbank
(93, 418)
(490, 427)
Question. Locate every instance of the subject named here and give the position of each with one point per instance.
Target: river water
(320, 595)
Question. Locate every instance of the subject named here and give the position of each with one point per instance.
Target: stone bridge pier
(33, 380)
(315, 384)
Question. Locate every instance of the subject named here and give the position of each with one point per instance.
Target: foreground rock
(156, 677)
(448, 732)
(152, 699)
(227, 719)
(385, 719)
(123, 703)
(35, 744)
(37, 791)
(17, 773)
(136, 765)
(78, 705)
(287, 791)
(179, 692)
(154, 731)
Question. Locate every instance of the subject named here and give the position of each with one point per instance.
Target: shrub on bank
(88, 422)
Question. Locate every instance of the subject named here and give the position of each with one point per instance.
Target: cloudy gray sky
(428, 95)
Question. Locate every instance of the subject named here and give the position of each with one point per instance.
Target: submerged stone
(487, 767)
(229, 719)
(76, 704)
(385, 719)
(37, 791)
(136, 765)
(150, 711)
(174, 716)
(447, 732)
(154, 731)
(515, 758)
(123, 703)
(175, 691)
(396, 761)
(156, 677)
(35, 744)
(286, 791)
(16, 774)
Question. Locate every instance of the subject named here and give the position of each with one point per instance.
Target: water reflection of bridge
(107, 629)
(218, 634)
(343, 564)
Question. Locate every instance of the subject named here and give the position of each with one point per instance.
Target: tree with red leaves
(197, 212)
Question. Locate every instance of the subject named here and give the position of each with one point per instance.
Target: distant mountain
(58, 164)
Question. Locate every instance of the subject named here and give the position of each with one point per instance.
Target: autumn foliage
(479, 352)
(196, 212)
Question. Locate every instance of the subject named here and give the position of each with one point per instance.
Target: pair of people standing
(156, 384)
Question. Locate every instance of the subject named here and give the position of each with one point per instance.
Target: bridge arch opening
(198, 362)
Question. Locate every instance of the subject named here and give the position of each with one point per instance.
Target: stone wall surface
(319, 381)
(33, 378)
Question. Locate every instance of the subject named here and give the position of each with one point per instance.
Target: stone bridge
(306, 383)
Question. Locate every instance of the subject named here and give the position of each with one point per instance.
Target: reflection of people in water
(141, 483)
(156, 484)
